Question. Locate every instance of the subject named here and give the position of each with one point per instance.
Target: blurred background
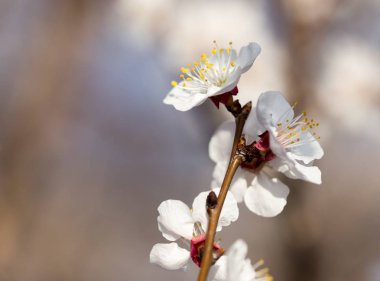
(88, 150)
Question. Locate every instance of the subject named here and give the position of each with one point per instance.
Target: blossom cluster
(273, 139)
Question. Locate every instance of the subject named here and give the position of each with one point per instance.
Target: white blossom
(283, 142)
(177, 222)
(234, 266)
(212, 75)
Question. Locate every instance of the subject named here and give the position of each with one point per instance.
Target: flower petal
(169, 256)
(308, 151)
(295, 170)
(219, 148)
(238, 267)
(252, 128)
(184, 100)
(272, 108)
(175, 220)
(247, 56)
(230, 211)
(267, 196)
(218, 272)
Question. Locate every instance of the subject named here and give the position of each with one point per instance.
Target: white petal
(247, 56)
(220, 145)
(307, 173)
(183, 100)
(218, 272)
(239, 182)
(230, 211)
(175, 220)
(169, 256)
(307, 152)
(294, 170)
(238, 267)
(272, 108)
(252, 128)
(267, 196)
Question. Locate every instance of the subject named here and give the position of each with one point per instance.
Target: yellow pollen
(214, 51)
(228, 50)
(221, 50)
(184, 85)
(306, 119)
(224, 69)
(303, 128)
(184, 70)
(182, 76)
(304, 113)
(196, 63)
(268, 278)
(189, 79)
(192, 69)
(174, 83)
(188, 64)
(232, 63)
(201, 75)
(203, 56)
(260, 262)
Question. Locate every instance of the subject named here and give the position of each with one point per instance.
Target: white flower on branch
(277, 139)
(213, 75)
(234, 266)
(177, 222)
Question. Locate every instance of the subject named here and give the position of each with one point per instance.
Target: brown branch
(213, 210)
(214, 214)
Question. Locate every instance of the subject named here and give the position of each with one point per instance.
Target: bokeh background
(88, 150)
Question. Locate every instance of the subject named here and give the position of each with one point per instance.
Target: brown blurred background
(88, 150)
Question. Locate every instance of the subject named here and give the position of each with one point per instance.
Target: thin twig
(240, 121)
(214, 213)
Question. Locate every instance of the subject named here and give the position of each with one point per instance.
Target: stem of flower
(215, 210)
(214, 214)
(240, 121)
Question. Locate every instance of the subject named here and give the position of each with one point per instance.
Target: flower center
(257, 153)
(197, 249)
(297, 131)
(213, 70)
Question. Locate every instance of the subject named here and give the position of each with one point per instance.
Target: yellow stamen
(174, 83)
